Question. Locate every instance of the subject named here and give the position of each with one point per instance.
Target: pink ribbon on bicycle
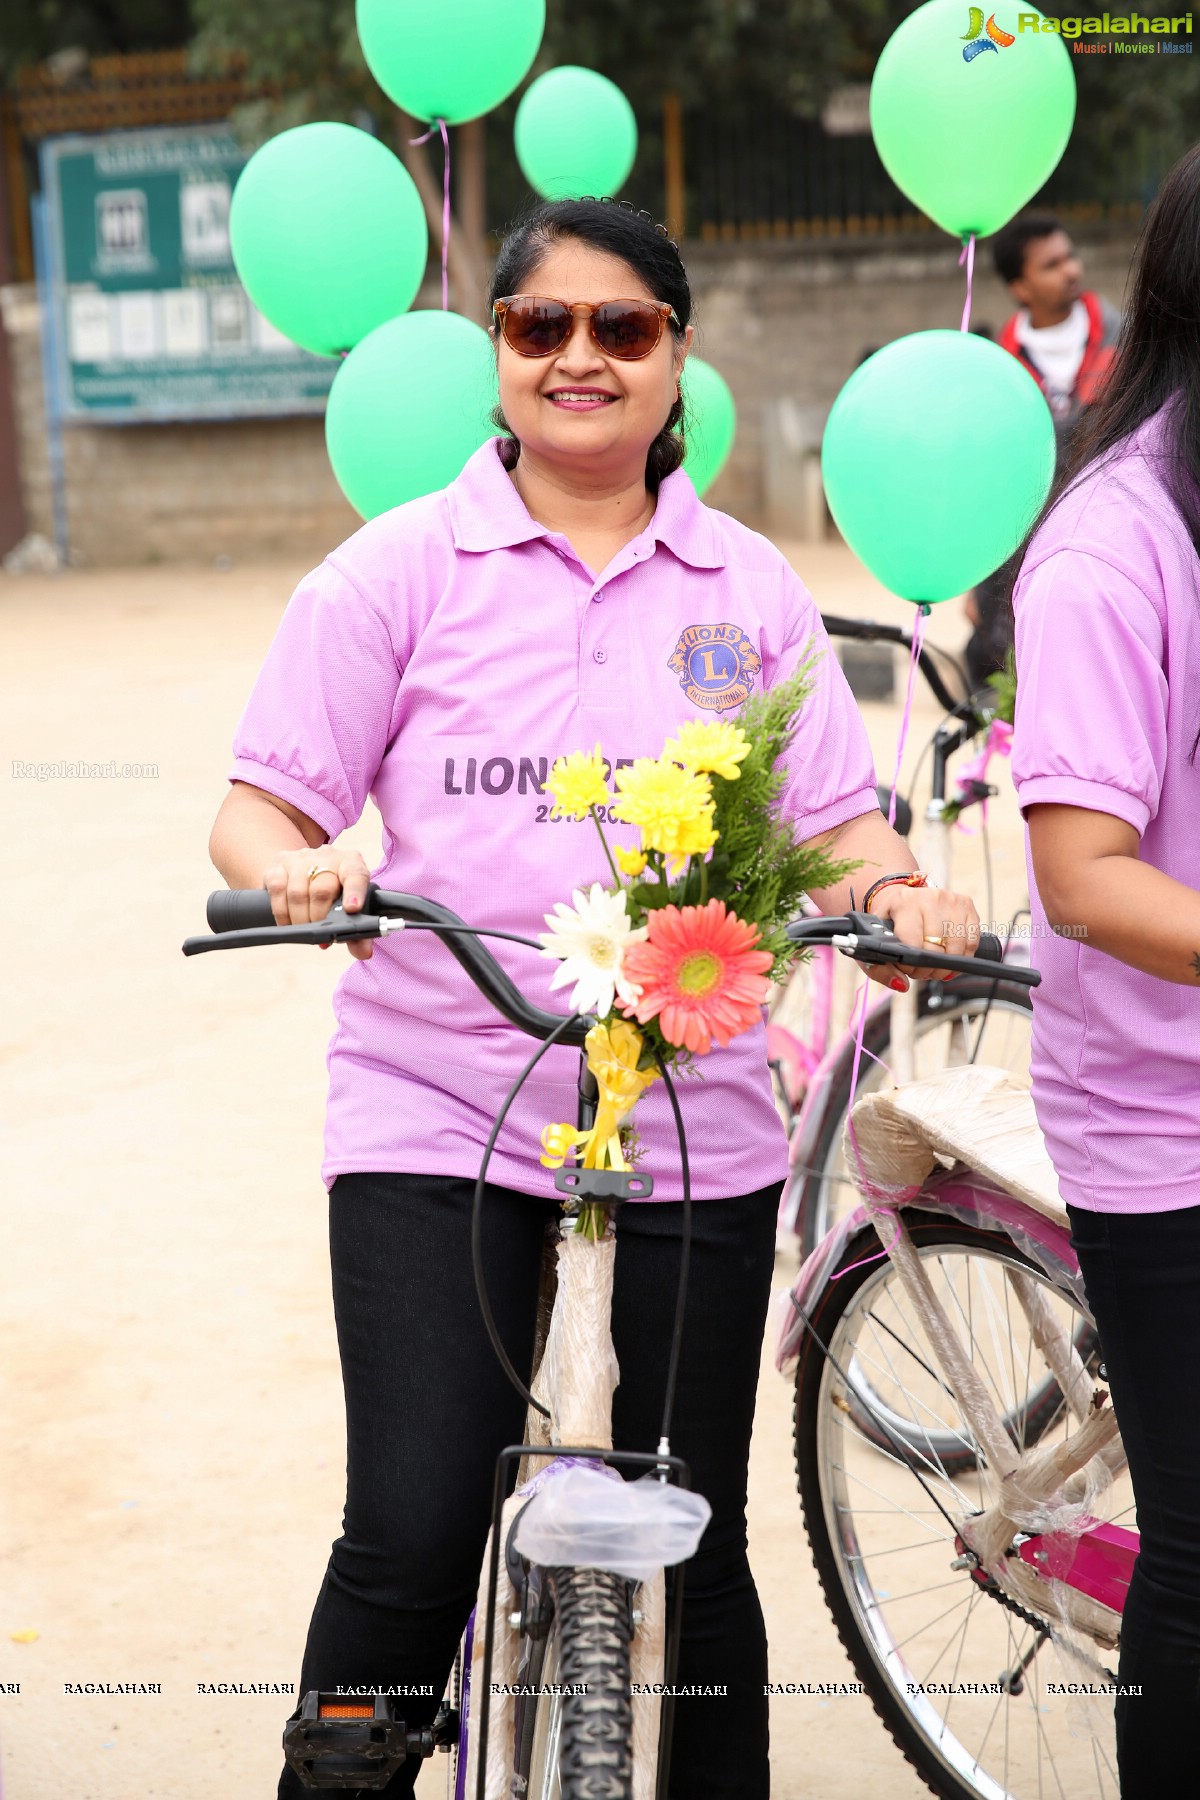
(997, 743)
(440, 125)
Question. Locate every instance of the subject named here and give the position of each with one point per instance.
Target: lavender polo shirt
(1108, 703)
(439, 661)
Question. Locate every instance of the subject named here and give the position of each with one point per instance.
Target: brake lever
(342, 930)
(857, 943)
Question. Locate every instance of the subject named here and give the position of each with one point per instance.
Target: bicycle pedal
(338, 1741)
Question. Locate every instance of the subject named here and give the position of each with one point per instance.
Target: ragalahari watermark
(65, 770)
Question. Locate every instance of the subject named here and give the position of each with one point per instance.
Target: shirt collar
(487, 513)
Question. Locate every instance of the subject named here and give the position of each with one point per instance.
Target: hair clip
(639, 212)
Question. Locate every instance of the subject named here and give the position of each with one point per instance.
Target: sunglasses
(626, 329)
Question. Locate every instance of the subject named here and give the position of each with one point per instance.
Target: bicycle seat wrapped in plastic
(975, 1115)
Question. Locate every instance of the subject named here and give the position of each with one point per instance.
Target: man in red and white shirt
(1064, 334)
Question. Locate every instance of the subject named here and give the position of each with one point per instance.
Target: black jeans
(428, 1408)
(1141, 1272)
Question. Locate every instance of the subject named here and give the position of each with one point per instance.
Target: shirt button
(600, 656)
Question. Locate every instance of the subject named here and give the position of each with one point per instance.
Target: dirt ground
(171, 1410)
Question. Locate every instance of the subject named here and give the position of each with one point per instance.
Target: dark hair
(614, 227)
(1012, 240)
(1157, 356)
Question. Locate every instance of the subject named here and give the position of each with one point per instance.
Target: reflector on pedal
(346, 1712)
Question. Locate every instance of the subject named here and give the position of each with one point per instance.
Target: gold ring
(317, 870)
(939, 941)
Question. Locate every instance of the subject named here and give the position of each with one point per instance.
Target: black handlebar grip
(989, 948)
(239, 909)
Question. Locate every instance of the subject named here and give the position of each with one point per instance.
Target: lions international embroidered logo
(716, 665)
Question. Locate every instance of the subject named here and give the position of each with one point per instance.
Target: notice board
(151, 321)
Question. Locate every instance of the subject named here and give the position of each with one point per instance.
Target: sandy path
(171, 1409)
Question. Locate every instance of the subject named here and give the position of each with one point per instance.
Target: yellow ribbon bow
(612, 1055)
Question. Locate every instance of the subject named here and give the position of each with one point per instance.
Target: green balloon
(449, 59)
(328, 235)
(407, 408)
(709, 422)
(938, 454)
(967, 126)
(575, 134)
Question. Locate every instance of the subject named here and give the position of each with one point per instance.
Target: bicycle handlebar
(868, 938)
(241, 918)
(867, 631)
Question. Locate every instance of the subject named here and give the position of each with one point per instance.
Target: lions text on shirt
(440, 660)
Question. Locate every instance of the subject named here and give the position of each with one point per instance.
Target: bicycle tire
(848, 1545)
(579, 1746)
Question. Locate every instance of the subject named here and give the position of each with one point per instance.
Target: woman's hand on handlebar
(919, 915)
(295, 900)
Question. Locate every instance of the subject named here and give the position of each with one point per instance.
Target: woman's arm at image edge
(251, 829)
(1094, 888)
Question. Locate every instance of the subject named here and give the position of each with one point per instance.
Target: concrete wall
(775, 319)
(155, 493)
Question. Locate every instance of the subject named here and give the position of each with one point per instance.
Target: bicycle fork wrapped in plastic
(576, 1513)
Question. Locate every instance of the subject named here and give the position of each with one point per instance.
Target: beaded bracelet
(913, 879)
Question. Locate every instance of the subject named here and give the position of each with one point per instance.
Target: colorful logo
(996, 38)
(716, 665)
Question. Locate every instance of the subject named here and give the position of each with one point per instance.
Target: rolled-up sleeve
(1091, 714)
(830, 766)
(322, 710)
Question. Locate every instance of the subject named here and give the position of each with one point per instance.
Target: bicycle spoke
(889, 1510)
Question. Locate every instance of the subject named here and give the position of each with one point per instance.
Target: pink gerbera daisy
(699, 974)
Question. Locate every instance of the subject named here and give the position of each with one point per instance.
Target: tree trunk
(673, 177)
(470, 143)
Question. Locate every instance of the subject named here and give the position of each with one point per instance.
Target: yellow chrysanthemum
(630, 862)
(709, 746)
(673, 807)
(577, 782)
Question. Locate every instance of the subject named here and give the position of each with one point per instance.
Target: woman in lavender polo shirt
(1105, 763)
(568, 587)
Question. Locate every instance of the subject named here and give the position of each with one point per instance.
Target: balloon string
(917, 637)
(968, 257)
(440, 125)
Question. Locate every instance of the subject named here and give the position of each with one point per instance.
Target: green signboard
(151, 319)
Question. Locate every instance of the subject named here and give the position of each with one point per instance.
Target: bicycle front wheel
(576, 1728)
(966, 1684)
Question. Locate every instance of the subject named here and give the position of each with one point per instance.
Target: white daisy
(590, 939)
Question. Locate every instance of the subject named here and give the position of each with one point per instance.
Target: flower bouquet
(690, 934)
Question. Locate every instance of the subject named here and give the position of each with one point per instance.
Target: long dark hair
(618, 230)
(1157, 355)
